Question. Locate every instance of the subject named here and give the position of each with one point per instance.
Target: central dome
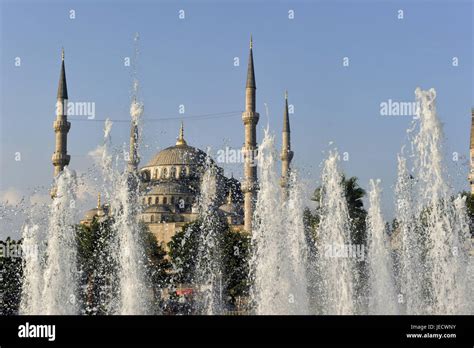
(178, 155)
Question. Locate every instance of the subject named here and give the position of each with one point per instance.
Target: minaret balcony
(59, 158)
(61, 126)
(249, 186)
(250, 117)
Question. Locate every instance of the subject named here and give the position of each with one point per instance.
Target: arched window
(157, 200)
(149, 200)
(165, 200)
(164, 173)
(155, 174)
(173, 172)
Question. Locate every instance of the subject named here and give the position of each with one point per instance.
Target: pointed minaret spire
(286, 153)
(181, 141)
(98, 201)
(250, 69)
(62, 86)
(229, 196)
(61, 125)
(250, 118)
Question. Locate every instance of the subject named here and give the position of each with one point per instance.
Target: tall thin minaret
(286, 153)
(61, 125)
(250, 118)
(134, 159)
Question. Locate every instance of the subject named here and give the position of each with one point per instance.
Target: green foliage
(236, 253)
(183, 251)
(98, 263)
(157, 265)
(354, 195)
(470, 209)
(234, 258)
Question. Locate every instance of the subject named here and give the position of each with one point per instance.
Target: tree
(358, 235)
(354, 195)
(470, 209)
(234, 258)
(98, 264)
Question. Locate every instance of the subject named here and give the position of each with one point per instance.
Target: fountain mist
(439, 220)
(59, 294)
(382, 289)
(336, 266)
(278, 242)
(208, 271)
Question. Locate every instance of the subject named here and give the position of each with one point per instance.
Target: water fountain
(279, 249)
(431, 262)
(382, 298)
(335, 261)
(51, 288)
(208, 271)
(439, 220)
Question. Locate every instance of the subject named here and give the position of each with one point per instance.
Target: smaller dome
(91, 213)
(230, 208)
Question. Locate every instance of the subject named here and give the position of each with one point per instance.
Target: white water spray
(382, 298)
(59, 294)
(333, 235)
(439, 219)
(208, 266)
(31, 300)
(279, 249)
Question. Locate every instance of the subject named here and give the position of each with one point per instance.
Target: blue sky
(191, 62)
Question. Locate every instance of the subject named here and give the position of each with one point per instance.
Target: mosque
(170, 182)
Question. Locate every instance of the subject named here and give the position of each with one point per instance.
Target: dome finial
(181, 140)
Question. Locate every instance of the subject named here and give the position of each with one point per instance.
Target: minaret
(286, 153)
(134, 159)
(250, 118)
(61, 125)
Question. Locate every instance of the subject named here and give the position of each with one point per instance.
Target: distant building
(170, 187)
(170, 182)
